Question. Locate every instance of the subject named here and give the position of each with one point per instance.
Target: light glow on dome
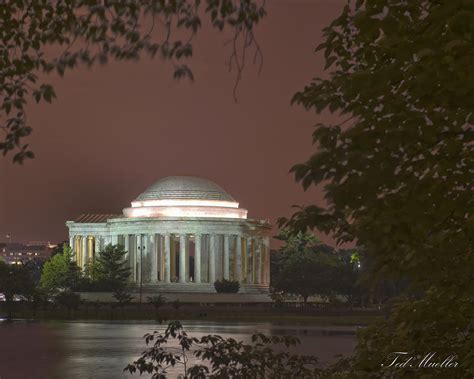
(188, 211)
(184, 202)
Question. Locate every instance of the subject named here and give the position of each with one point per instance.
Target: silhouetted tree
(264, 357)
(38, 299)
(123, 298)
(304, 267)
(69, 300)
(15, 280)
(397, 170)
(85, 32)
(347, 279)
(156, 301)
(227, 286)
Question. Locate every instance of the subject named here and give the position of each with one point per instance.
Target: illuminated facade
(181, 235)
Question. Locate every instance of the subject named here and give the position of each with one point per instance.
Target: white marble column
(144, 259)
(107, 240)
(97, 246)
(71, 242)
(154, 258)
(132, 257)
(226, 256)
(238, 258)
(126, 247)
(212, 259)
(266, 277)
(258, 261)
(84, 251)
(167, 258)
(126, 257)
(249, 260)
(137, 255)
(197, 258)
(182, 258)
(114, 239)
(187, 274)
(74, 249)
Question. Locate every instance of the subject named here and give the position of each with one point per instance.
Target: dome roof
(184, 188)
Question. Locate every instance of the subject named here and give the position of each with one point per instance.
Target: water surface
(100, 350)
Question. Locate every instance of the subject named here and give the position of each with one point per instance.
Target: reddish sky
(116, 129)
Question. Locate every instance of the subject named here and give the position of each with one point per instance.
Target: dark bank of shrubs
(226, 286)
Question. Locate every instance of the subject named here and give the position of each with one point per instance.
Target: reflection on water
(101, 350)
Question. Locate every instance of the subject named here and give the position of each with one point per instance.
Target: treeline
(305, 267)
(61, 278)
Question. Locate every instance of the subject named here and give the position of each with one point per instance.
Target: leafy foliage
(15, 280)
(223, 358)
(60, 272)
(303, 266)
(69, 300)
(90, 32)
(398, 171)
(157, 301)
(227, 286)
(123, 297)
(111, 268)
(349, 275)
(59, 248)
(91, 273)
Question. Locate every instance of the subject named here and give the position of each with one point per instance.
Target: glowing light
(186, 211)
(185, 203)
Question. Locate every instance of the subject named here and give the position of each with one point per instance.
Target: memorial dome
(185, 196)
(184, 187)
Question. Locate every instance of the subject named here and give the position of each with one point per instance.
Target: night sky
(116, 129)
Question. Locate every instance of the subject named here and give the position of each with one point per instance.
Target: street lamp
(141, 270)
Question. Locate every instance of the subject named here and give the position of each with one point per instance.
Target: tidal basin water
(100, 350)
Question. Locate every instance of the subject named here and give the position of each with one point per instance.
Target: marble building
(181, 235)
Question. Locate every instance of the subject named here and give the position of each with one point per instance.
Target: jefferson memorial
(181, 235)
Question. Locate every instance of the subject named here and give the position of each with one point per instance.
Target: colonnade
(184, 257)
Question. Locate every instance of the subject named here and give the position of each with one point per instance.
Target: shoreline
(145, 312)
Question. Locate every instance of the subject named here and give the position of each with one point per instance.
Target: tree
(90, 32)
(15, 280)
(69, 300)
(227, 286)
(59, 248)
(92, 271)
(157, 301)
(397, 172)
(60, 272)
(348, 283)
(111, 270)
(223, 358)
(38, 298)
(123, 297)
(303, 267)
